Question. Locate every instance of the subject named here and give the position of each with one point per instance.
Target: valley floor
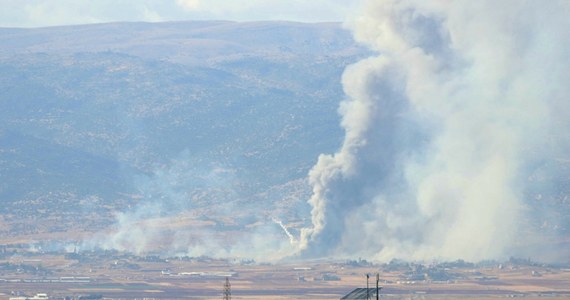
(116, 275)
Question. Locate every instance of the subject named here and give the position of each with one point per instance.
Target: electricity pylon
(227, 290)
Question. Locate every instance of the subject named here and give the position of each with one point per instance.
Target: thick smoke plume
(443, 129)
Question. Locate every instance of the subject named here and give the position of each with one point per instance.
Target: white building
(36, 297)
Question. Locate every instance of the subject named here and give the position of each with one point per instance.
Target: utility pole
(227, 290)
(367, 289)
(377, 288)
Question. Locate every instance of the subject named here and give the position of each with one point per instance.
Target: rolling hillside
(191, 115)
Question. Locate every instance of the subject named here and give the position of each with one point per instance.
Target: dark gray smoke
(443, 129)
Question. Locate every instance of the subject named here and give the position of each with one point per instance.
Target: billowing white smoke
(441, 128)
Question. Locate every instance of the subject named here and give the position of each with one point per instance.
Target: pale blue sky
(38, 13)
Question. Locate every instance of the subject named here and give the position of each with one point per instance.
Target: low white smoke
(442, 128)
(191, 209)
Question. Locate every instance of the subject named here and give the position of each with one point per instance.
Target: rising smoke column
(440, 128)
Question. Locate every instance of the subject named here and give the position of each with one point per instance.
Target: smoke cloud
(193, 208)
(444, 129)
(456, 125)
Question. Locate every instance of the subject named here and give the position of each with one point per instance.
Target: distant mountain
(190, 115)
(212, 121)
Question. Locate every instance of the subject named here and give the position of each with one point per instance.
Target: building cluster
(44, 296)
(36, 297)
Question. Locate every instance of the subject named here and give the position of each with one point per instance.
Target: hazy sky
(38, 13)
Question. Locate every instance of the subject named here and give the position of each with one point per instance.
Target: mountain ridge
(180, 120)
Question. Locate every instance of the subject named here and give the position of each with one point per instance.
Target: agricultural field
(116, 275)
